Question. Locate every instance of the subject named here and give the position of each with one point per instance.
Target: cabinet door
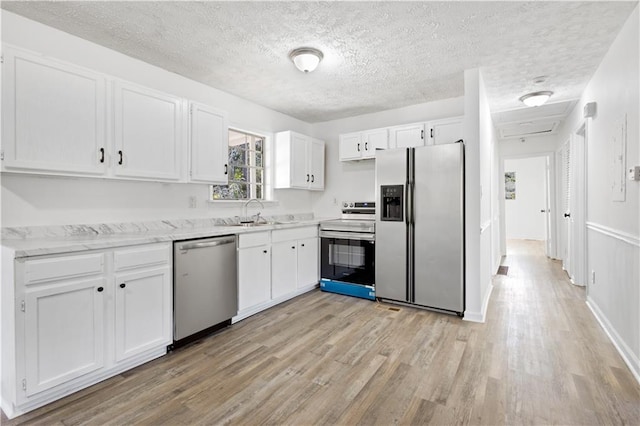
(300, 175)
(445, 131)
(209, 145)
(53, 116)
(316, 164)
(148, 133)
(375, 139)
(142, 311)
(407, 136)
(284, 268)
(254, 276)
(64, 332)
(308, 270)
(351, 147)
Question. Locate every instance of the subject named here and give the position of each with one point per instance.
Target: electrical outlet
(593, 277)
(193, 202)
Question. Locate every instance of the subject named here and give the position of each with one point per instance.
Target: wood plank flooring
(541, 358)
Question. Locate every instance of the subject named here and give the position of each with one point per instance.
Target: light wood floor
(540, 358)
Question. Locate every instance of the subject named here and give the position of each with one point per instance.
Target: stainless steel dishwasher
(205, 289)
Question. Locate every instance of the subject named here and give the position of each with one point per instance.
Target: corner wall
(613, 227)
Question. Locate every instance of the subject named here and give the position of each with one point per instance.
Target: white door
(143, 311)
(209, 145)
(316, 164)
(308, 270)
(445, 131)
(148, 133)
(300, 176)
(64, 332)
(284, 268)
(407, 136)
(53, 116)
(254, 276)
(375, 139)
(351, 147)
(566, 207)
(547, 209)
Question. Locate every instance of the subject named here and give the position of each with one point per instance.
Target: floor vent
(503, 270)
(395, 309)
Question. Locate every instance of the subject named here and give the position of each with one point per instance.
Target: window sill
(238, 203)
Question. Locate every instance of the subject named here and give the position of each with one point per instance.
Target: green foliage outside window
(245, 168)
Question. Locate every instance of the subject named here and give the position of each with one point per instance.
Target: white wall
(481, 222)
(32, 200)
(355, 180)
(522, 215)
(613, 228)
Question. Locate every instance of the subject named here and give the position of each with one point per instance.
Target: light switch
(634, 173)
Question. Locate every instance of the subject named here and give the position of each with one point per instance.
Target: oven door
(348, 257)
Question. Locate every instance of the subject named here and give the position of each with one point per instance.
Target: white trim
(614, 233)
(632, 360)
(480, 316)
(266, 305)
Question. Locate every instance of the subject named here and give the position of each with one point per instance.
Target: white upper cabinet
(407, 136)
(363, 145)
(53, 116)
(148, 137)
(299, 161)
(445, 131)
(209, 145)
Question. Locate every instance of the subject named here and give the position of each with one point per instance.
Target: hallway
(322, 358)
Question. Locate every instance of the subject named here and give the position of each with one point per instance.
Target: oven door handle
(348, 235)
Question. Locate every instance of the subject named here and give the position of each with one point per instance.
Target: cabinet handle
(123, 285)
(120, 154)
(100, 289)
(102, 155)
(358, 147)
(313, 178)
(422, 134)
(307, 177)
(264, 251)
(366, 146)
(226, 169)
(431, 133)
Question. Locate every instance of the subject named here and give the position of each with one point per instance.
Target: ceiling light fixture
(306, 59)
(536, 98)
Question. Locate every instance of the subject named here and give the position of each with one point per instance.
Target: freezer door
(439, 225)
(391, 235)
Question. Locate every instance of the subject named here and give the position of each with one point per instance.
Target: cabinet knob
(123, 285)
(293, 247)
(264, 251)
(302, 245)
(100, 289)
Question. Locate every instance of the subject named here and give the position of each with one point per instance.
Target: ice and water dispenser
(392, 201)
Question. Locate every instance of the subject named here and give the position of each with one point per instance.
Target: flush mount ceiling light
(536, 98)
(306, 59)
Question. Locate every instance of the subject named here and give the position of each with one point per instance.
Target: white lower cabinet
(82, 318)
(275, 266)
(64, 332)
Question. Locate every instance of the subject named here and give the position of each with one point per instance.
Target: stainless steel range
(347, 251)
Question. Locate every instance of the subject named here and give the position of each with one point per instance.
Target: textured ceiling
(377, 55)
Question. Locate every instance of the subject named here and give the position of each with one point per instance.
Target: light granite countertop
(27, 242)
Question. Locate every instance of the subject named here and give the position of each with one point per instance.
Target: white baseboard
(246, 313)
(480, 316)
(631, 359)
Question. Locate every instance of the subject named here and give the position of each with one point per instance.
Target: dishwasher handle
(219, 242)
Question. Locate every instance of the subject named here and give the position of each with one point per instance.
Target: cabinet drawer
(136, 257)
(64, 267)
(253, 239)
(294, 234)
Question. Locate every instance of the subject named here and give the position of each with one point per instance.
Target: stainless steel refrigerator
(420, 226)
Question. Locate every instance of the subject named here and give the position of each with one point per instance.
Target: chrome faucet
(245, 217)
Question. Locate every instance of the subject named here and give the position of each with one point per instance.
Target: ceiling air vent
(528, 128)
